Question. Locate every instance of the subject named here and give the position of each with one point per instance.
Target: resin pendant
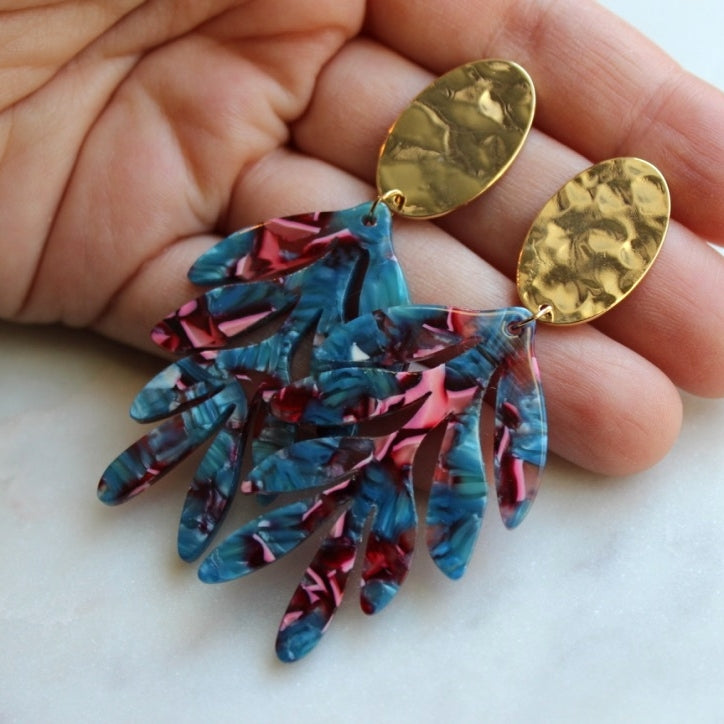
(381, 365)
(305, 267)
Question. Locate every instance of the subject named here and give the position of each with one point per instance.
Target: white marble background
(607, 605)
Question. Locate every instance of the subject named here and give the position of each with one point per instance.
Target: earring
(383, 376)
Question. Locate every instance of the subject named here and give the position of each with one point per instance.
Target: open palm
(134, 134)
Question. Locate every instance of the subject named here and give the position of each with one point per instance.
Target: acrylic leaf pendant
(319, 269)
(438, 363)
(594, 240)
(456, 138)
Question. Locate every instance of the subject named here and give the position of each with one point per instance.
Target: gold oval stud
(457, 137)
(593, 242)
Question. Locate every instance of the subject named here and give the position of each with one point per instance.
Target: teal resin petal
(309, 464)
(458, 494)
(271, 536)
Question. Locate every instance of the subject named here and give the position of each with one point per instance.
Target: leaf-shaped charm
(271, 536)
(521, 437)
(459, 492)
(320, 591)
(391, 541)
(151, 457)
(275, 248)
(212, 489)
(215, 318)
(319, 269)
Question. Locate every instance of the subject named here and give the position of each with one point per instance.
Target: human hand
(150, 129)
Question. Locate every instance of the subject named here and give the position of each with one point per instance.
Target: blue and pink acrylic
(381, 377)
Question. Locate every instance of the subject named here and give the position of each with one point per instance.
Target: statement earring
(377, 358)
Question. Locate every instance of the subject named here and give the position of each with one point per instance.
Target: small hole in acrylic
(545, 312)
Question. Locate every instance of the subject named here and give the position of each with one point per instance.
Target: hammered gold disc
(456, 138)
(594, 240)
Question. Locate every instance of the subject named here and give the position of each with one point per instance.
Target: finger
(157, 159)
(603, 89)
(591, 381)
(670, 312)
(676, 316)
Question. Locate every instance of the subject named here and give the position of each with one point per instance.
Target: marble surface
(606, 605)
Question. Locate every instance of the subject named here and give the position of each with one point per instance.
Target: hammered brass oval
(594, 240)
(456, 138)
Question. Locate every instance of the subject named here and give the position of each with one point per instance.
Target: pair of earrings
(382, 374)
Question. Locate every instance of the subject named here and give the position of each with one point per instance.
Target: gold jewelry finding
(394, 199)
(544, 311)
(457, 137)
(594, 240)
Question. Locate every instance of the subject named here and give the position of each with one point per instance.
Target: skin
(135, 134)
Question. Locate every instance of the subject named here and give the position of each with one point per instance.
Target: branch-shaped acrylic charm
(319, 269)
(520, 425)
(442, 361)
